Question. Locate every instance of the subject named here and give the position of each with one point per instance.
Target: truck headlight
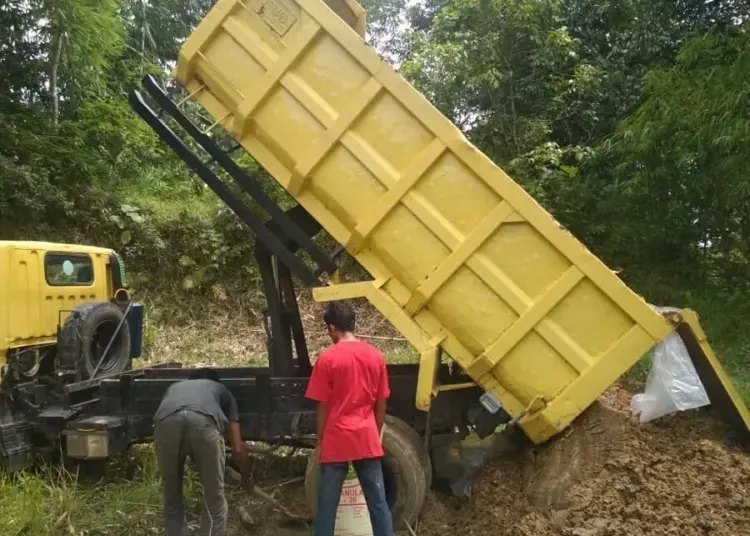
(87, 445)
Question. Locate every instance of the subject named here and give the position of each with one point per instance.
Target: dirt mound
(609, 475)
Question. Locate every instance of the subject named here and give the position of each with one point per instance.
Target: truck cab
(46, 290)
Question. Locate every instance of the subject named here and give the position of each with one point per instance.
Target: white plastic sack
(672, 385)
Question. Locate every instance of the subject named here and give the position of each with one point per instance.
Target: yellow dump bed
(462, 257)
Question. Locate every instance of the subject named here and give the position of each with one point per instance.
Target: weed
(51, 500)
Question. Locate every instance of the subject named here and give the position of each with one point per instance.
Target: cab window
(68, 269)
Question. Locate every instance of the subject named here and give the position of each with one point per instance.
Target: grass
(725, 319)
(51, 500)
(169, 195)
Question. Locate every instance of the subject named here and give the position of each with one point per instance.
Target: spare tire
(403, 471)
(85, 335)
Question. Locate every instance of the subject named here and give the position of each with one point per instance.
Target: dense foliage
(77, 165)
(628, 119)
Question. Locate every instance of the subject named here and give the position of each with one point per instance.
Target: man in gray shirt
(192, 420)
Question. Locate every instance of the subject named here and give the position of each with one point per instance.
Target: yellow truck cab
(61, 307)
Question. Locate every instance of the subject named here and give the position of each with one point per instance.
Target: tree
(624, 39)
(82, 37)
(508, 72)
(679, 189)
(156, 30)
(386, 25)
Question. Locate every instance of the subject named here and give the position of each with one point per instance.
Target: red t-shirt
(350, 376)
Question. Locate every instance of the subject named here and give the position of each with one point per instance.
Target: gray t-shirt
(206, 397)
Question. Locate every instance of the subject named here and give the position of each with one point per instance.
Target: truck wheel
(403, 472)
(85, 336)
(417, 443)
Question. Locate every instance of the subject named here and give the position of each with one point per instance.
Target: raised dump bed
(462, 258)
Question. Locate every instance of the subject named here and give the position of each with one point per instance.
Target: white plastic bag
(672, 385)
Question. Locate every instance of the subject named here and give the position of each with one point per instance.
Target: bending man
(192, 420)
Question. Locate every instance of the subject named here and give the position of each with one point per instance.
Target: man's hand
(380, 414)
(320, 425)
(240, 455)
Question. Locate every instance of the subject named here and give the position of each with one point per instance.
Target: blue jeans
(370, 474)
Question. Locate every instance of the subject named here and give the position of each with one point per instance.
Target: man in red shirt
(350, 384)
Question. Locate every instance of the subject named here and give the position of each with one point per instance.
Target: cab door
(24, 296)
(69, 279)
(44, 287)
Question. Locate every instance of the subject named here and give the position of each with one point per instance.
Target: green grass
(168, 196)
(51, 500)
(401, 354)
(726, 318)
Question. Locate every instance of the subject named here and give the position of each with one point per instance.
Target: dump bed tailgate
(462, 257)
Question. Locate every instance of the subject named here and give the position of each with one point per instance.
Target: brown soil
(607, 475)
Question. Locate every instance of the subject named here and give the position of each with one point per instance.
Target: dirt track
(606, 475)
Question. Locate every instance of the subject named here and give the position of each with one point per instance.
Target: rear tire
(404, 474)
(85, 335)
(417, 443)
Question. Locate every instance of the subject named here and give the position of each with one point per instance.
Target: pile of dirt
(606, 475)
(609, 475)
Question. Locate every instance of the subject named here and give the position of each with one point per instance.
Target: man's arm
(240, 454)
(380, 413)
(384, 391)
(320, 423)
(319, 390)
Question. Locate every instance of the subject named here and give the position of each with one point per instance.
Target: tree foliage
(628, 119)
(508, 71)
(681, 162)
(624, 118)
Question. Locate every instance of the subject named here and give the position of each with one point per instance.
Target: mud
(607, 475)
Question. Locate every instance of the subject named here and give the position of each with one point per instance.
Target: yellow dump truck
(463, 261)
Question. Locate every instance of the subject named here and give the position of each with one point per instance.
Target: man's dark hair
(204, 373)
(340, 314)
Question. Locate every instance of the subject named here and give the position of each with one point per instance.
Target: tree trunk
(56, 55)
(143, 35)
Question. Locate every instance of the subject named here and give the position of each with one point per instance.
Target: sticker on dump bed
(275, 14)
